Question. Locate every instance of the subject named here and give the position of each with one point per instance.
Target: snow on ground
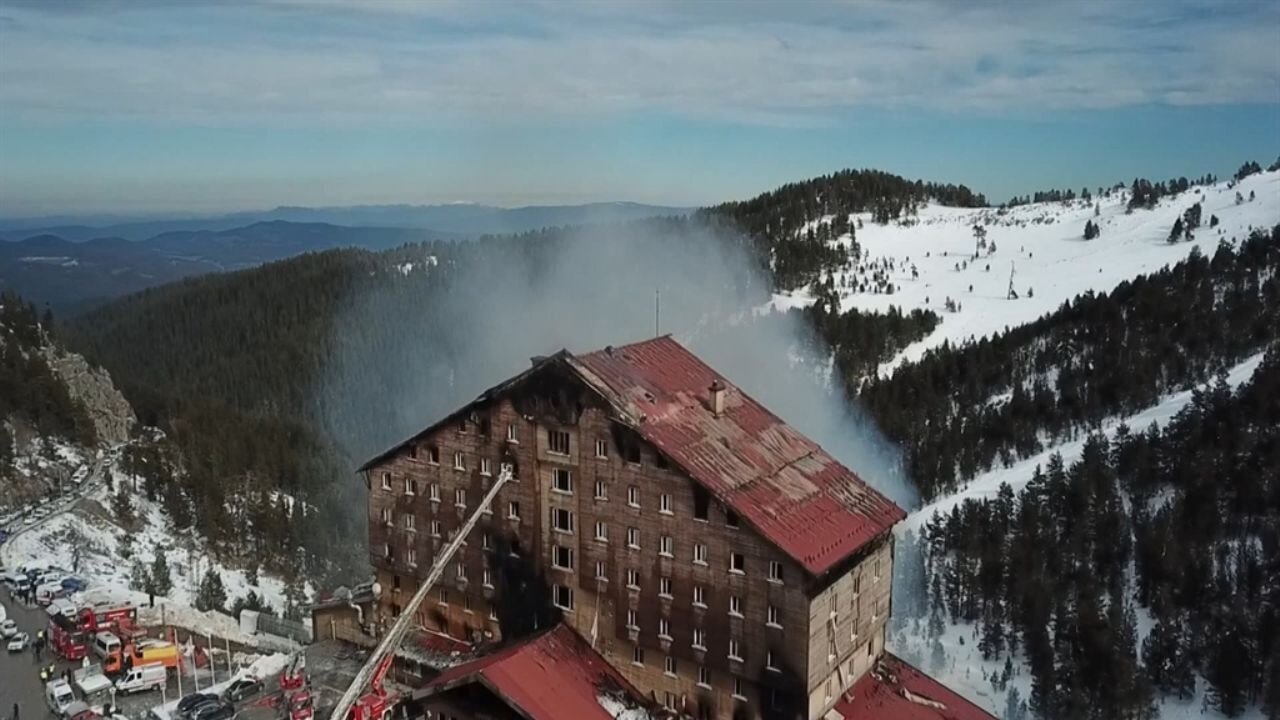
(1044, 245)
(90, 532)
(963, 667)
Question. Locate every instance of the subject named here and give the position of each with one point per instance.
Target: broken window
(561, 480)
(701, 503)
(433, 454)
(562, 558)
(562, 520)
(484, 427)
(395, 582)
(660, 461)
(632, 450)
(558, 442)
(737, 563)
(563, 597)
(730, 518)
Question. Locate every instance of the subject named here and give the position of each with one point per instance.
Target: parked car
(8, 629)
(217, 710)
(74, 584)
(18, 642)
(58, 695)
(192, 702)
(241, 689)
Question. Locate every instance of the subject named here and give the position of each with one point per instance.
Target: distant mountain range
(72, 267)
(456, 219)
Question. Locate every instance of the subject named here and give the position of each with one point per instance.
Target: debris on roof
(895, 689)
(550, 676)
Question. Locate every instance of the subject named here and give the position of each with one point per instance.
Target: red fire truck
(107, 616)
(67, 638)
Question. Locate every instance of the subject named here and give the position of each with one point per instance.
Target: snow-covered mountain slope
(1043, 245)
(955, 658)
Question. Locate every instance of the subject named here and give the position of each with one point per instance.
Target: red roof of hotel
(551, 676)
(779, 481)
(880, 695)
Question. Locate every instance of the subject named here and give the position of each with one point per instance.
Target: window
(466, 604)
(602, 531)
(775, 571)
(699, 596)
(632, 450)
(704, 676)
(411, 557)
(562, 558)
(410, 523)
(460, 572)
(664, 504)
(486, 578)
(508, 469)
(637, 655)
(435, 528)
(735, 652)
(738, 692)
(561, 481)
(558, 442)
(562, 520)
(443, 596)
(664, 628)
(633, 496)
(602, 449)
(701, 503)
(413, 451)
(386, 481)
(768, 661)
(486, 541)
(563, 597)
(633, 538)
(666, 545)
(669, 666)
(771, 617)
(511, 434)
(433, 492)
(433, 454)
(737, 563)
(602, 490)
(633, 579)
(458, 463)
(730, 518)
(631, 620)
(410, 486)
(486, 467)
(395, 582)
(699, 554)
(484, 426)
(877, 575)
(601, 572)
(513, 510)
(664, 587)
(699, 639)
(857, 587)
(660, 461)
(460, 498)
(386, 516)
(388, 552)
(735, 605)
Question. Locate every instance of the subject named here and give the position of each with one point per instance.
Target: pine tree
(122, 506)
(211, 595)
(160, 582)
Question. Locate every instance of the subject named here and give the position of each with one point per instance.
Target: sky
(143, 106)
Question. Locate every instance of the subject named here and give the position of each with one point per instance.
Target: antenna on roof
(657, 312)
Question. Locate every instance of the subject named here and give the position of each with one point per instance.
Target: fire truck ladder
(401, 626)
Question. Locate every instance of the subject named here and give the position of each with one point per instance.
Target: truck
(143, 677)
(66, 638)
(146, 652)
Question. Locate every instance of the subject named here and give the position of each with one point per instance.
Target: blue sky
(170, 107)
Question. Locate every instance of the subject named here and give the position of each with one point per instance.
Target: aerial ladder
(376, 704)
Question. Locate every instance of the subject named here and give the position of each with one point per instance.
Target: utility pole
(657, 311)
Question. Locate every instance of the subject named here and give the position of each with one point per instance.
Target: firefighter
(44, 674)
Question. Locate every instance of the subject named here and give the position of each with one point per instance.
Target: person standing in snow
(15, 711)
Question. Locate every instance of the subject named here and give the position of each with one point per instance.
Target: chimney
(716, 399)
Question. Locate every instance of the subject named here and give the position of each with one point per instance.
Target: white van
(57, 693)
(106, 643)
(143, 677)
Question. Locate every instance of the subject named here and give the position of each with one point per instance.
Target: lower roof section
(898, 691)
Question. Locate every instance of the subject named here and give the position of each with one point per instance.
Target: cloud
(323, 61)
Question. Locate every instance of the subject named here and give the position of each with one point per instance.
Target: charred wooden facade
(694, 540)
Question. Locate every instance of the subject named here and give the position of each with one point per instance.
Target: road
(59, 504)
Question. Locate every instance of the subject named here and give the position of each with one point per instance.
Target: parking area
(331, 666)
